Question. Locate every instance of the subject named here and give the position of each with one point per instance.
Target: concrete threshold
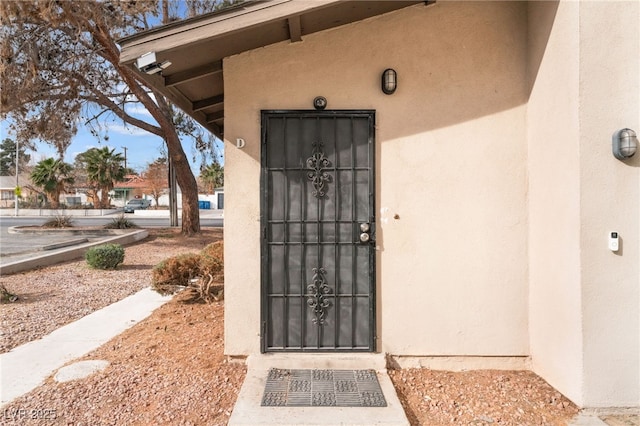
(26, 367)
(248, 410)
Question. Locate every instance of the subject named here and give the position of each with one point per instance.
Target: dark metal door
(317, 215)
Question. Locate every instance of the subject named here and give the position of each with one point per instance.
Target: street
(12, 245)
(143, 222)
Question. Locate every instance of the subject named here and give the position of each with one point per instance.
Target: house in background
(136, 186)
(7, 191)
(433, 181)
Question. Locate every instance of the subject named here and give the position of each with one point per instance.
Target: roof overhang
(196, 47)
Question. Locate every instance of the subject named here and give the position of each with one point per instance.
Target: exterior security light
(147, 63)
(389, 81)
(624, 144)
(320, 103)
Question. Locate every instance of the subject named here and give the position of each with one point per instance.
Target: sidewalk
(26, 367)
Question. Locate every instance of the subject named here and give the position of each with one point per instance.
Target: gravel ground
(479, 398)
(52, 297)
(170, 369)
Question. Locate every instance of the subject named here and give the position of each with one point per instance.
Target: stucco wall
(584, 299)
(610, 201)
(554, 196)
(451, 172)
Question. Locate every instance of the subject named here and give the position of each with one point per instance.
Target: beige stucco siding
(555, 301)
(584, 299)
(451, 170)
(610, 201)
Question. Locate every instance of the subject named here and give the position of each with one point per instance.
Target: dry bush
(59, 221)
(6, 296)
(200, 273)
(170, 275)
(213, 260)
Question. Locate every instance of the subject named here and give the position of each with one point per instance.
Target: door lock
(364, 235)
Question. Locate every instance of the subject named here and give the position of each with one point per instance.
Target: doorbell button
(614, 241)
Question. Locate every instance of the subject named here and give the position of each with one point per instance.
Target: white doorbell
(614, 241)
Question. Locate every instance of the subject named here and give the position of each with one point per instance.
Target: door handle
(365, 230)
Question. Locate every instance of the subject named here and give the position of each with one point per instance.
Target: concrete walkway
(248, 410)
(26, 367)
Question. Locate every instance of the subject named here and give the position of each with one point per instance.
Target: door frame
(264, 116)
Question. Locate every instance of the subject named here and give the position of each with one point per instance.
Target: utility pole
(125, 156)
(17, 185)
(173, 195)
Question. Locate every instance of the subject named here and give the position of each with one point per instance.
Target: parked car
(137, 204)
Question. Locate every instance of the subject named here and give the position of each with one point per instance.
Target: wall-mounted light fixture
(389, 81)
(147, 63)
(320, 103)
(624, 144)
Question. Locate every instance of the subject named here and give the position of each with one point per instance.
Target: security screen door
(317, 216)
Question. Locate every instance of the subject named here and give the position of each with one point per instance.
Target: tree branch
(104, 101)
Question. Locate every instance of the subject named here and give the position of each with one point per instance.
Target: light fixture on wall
(624, 144)
(147, 63)
(320, 103)
(389, 81)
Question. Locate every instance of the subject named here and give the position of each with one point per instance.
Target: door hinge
(264, 233)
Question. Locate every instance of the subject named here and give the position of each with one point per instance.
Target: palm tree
(52, 176)
(105, 167)
(212, 176)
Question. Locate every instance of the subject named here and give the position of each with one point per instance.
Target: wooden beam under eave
(216, 116)
(295, 29)
(207, 103)
(178, 98)
(193, 74)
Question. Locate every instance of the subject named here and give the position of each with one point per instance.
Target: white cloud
(126, 130)
(138, 110)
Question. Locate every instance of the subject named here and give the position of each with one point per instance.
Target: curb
(69, 254)
(37, 230)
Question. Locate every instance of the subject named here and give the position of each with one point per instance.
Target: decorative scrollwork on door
(318, 163)
(316, 298)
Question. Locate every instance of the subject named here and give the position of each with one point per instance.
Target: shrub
(59, 221)
(215, 250)
(171, 274)
(213, 260)
(106, 256)
(6, 296)
(201, 273)
(120, 222)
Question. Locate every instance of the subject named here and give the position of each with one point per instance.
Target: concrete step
(248, 410)
(318, 361)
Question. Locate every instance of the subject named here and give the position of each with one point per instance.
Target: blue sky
(142, 147)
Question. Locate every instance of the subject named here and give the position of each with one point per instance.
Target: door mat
(322, 388)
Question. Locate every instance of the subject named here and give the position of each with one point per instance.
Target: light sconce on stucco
(320, 103)
(389, 81)
(624, 144)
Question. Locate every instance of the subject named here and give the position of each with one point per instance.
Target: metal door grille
(318, 279)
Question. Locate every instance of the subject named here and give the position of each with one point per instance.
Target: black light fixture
(389, 81)
(320, 103)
